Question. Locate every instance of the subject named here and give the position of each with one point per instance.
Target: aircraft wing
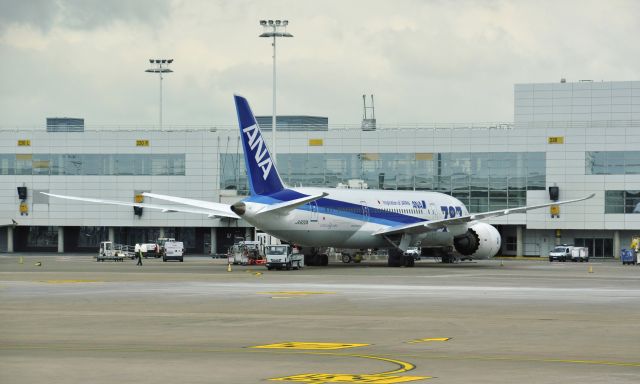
(427, 226)
(164, 208)
(8, 222)
(219, 209)
(288, 206)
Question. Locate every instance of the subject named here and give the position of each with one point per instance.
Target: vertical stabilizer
(261, 170)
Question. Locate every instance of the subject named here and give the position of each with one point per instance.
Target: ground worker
(139, 256)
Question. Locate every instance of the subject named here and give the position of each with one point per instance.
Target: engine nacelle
(481, 241)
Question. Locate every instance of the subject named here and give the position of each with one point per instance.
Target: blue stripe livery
(263, 176)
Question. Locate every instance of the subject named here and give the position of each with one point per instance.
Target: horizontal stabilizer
(288, 206)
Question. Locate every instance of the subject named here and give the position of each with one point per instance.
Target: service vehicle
(246, 252)
(580, 254)
(160, 245)
(282, 257)
(254, 251)
(173, 250)
(113, 252)
(560, 253)
(236, 256)
(149, 250)
(413, 251)
(347, 255)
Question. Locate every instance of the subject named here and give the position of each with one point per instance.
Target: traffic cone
(590, 269)
(229, 267)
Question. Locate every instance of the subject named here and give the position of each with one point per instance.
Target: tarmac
(74, 320)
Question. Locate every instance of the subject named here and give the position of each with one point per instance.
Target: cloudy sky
(425, 61)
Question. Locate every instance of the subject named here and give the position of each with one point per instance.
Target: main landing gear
(397, 258)
(316, 260)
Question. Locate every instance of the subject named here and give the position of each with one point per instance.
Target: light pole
(160, 66)
(274, 28)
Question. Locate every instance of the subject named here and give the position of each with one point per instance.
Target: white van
(173, 250)
(561, 253)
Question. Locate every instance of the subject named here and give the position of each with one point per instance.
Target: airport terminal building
(579, 137)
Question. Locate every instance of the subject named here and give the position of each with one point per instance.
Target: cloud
(425, 61)
(80, 14)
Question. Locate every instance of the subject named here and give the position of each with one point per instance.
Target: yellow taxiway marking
(319, 378)
(69, 281)
(428, 356)
(388, 377)
(295, 293)
(304, 345)
(429, 339)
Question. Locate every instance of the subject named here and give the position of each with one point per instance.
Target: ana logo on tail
(261, 154)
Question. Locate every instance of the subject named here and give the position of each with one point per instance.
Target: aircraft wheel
(395, 258)
(324, 260)
(311, 259)
(409, 261)
(447, 258)
(346, 258)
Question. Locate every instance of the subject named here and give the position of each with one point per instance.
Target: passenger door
(314, 212)
(365, 210)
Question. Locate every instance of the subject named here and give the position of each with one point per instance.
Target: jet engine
(481, 241)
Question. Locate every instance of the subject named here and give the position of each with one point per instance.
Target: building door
(599, 248)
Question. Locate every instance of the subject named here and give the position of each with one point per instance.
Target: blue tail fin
(261, 171)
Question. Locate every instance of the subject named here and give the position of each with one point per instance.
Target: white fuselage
(348, 218)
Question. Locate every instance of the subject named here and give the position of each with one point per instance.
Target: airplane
(342, 218)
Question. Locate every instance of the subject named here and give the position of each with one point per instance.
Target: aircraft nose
(239, 208)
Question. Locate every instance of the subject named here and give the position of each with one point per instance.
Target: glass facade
(599, 247)
(482, 181)
(93, 164)
(294, 123)
(612, 163)
(622, 202)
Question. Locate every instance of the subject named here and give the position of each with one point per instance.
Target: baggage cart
(628, 257)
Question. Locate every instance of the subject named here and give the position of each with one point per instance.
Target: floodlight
(160, 69)
(276, 29)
